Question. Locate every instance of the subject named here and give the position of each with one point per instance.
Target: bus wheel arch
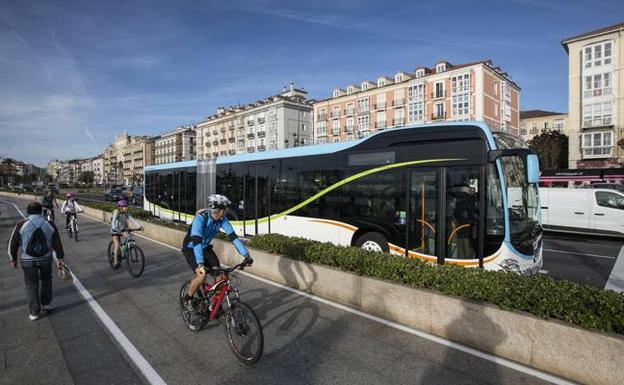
(371, 240)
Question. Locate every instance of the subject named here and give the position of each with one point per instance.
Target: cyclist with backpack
(70, 208)
(196, 246)
(48, 202)
(121, 221)
(32, 242)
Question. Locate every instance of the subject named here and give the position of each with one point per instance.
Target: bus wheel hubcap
(371, 246)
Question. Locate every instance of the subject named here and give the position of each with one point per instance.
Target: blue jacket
(204, 228)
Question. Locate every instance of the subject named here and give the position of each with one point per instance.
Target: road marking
(498, 360)
(573, 252)
(430, 337)
(137, 358)
(616, 278)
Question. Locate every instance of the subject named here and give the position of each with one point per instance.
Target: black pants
(51, 209)
(38, 295)
(210, 258)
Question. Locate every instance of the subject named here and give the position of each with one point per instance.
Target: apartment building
(596, 98)
(95, 165)
(125, 158)
(176, 146)
(279, 121)
(533, 122)
(446, 92)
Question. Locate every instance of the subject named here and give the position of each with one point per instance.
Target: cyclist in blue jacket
(197, 248)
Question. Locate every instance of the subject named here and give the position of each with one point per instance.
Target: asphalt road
(306, 341)
(581, 259)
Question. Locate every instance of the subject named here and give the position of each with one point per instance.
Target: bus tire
(373, 241)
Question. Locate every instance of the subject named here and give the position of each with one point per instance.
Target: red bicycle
(221, 300)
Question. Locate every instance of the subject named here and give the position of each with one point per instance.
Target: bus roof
(320, 149)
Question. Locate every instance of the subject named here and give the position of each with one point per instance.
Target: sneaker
(48, 308)
(33, 317)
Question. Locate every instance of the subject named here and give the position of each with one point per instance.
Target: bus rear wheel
(373, 241)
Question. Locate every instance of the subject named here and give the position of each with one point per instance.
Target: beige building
(446, 92)
(176, 146)
(95, 165)
(533, 122)
(279, 121)
(125, 158)
(596, 98)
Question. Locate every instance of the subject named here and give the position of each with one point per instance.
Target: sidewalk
(67, 346)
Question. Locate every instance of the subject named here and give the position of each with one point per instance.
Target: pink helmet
(122, 203)
(70, 195)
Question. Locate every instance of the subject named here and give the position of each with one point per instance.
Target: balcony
(381, 106)
(250, 149)
(231, 152)
(250, 122)
(398, 102)
(231, 127)
(364, 110)
(222, 129)
(231, 139)
(605, 121)
(438, 94)
(208, 144)
(349, 128)
(223, 141)
(322, 134)
(441, 116)
(207, 133)
(261, 148)
(260, 120)
(349, 112)
(251, 135)
(215, 142)
(335, 114)
(321, 117)
(215, 154)
(398, 122)
(336, 132)
(261, 134)
(380, 124)
(215, 132)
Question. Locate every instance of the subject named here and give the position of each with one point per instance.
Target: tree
(551, 147)
(86, 177)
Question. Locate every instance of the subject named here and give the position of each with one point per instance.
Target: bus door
(256, 197)
(422, 217)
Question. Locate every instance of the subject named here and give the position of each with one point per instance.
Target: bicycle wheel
(244, 333)
(75, 230)
(111, 259)
(193, 319)
(135, 261)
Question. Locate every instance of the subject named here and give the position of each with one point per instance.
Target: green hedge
(136, 213)
(542, 296)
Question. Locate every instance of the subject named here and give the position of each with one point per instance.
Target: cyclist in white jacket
(70, 207)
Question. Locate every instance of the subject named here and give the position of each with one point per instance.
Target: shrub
(542, 296)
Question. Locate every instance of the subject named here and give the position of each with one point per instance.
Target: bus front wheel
(373, 242)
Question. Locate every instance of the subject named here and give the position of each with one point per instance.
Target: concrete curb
(551, 346)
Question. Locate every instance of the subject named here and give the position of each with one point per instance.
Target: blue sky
(73, 74)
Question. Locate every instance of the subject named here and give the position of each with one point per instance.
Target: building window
(363, 122)
(350, 90)
(416, 111)
(336, 127)
(439, 90)
(597, 144)
(533, 128)
(321, 128)
(461, 106)
(559, 124)
(381, 82)
(597, 85)
(363, 105)
(439, 111)
(545, 125)
(336, 112)
(440, 67)
(598, 54)
(381, 119)
(336, 93)
(364, 87)
(416, 91)
(460, 83)
(350, 124)
(420, 73)
(523, 130)
(398, 78)
(381, 98)
(336, 139)
(597, 114)
(322, 140)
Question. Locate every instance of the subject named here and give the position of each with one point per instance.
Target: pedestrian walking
(32, 242)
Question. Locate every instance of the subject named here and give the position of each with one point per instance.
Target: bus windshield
(522, 197)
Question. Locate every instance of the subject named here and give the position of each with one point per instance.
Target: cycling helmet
(218, 201)
(122, 203)
(70, 195)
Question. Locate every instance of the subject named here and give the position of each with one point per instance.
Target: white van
(594, 211)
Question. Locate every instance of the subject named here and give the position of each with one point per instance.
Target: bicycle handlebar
(231, 269)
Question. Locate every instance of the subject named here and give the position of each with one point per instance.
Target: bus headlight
(510, 265)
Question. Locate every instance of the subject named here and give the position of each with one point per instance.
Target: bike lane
(306, 341)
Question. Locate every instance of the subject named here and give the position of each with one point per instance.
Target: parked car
(611, 186)
(115, 193)
(135, 196)
(595, 211)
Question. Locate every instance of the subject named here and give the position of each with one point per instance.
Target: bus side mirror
(532, 166)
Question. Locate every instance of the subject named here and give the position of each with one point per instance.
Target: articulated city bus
(452, 193)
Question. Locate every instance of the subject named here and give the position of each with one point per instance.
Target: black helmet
(218, 201)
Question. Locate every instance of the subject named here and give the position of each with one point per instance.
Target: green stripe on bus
(338, 184)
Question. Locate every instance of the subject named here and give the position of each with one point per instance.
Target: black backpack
(37, 244)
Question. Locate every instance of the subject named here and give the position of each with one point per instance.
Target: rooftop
(538, 114)
(597, 32)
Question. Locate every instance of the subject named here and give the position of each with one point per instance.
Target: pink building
(446, 92)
